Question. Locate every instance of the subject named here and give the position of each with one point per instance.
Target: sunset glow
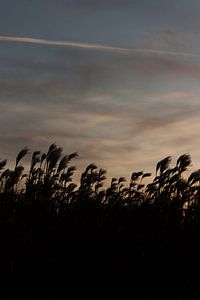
(111, 81)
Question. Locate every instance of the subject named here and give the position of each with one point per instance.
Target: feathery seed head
(21, 154)
(183, 162)
(3, 163)
(146, 175)
(121, 179)
(91, 167)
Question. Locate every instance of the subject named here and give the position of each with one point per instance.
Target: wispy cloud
(115, 110)
(92, 46)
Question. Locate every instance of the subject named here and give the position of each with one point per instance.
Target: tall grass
(51, 225)
(50, 178)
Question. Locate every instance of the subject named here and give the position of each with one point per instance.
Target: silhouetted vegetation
(128, 241)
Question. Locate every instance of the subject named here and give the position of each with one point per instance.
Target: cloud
(119, 142)
(115, 110)
(171, 39)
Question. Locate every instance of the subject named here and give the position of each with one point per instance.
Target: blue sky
(122, 108)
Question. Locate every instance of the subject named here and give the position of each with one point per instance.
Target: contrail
(92, 46)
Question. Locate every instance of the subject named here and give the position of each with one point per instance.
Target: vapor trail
(92, 46)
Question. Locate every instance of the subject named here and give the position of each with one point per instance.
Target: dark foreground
(129, 241)
(104, 253)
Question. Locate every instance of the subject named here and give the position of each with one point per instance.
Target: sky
(115, 80)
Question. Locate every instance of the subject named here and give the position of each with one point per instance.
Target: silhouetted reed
(144, 224)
